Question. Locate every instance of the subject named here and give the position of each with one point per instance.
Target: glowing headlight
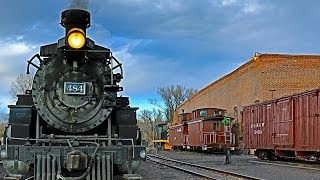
(143, 154)
(76, 38)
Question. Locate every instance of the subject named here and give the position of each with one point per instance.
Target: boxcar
(285, 127)
(205, 131)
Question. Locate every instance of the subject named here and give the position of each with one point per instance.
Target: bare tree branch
(22, 83)
(156, 103)
(172, 96)
(148, 121)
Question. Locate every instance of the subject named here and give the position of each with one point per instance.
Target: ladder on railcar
(227, 134)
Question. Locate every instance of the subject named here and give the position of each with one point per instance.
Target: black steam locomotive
(72, 125)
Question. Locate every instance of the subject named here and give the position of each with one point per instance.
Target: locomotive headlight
(143, 154)
(76, 38)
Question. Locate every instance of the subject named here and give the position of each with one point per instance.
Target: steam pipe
(109, 131)
(98, 168)
(104, 166)
(108, 167)
(38, 166)
(49, 167)
(37, 126)
(43, 168)
(54, 173)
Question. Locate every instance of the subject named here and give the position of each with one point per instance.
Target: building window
(203, 113)
(216, 126)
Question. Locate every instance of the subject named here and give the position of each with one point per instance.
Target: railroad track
(288, 164)
(197, 170)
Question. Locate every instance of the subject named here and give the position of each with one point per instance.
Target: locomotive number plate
(74, 88)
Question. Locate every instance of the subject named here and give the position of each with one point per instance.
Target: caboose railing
(209, 137)
(213, 138)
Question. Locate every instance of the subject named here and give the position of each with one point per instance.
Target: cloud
(139, 75)
(79, 4)
(14, 52)
(177, 19)
(244, 7)
(165, 42)
(144, 73)
(14, 48)
(226, 2)
(169, 6)
(253, 7)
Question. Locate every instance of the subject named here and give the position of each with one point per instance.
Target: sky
(162, 42)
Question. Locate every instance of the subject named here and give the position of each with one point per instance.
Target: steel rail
(223, 172)
(181, 169)
(290, 165)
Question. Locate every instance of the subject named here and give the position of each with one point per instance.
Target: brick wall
(253, 81)
(289, 74)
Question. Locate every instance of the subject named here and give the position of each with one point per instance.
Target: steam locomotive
(72, 124)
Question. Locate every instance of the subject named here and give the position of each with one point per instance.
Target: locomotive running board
(132, 176)
(7, 177)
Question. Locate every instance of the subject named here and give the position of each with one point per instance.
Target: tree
(3, 115)
(22, 83)
(172, 96)
(148, 121)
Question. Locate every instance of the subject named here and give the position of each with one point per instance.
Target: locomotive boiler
(72, 124)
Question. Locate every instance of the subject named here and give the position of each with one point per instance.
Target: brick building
(264, 77)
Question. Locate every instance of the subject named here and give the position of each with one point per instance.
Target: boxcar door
(282, 133)
(307, 129)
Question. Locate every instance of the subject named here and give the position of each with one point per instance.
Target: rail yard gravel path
(153, 171)
(239, 163)
(243, 164)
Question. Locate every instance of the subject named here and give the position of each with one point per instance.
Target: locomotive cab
(161, 140)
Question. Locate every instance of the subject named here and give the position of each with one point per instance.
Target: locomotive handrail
(119, 65)
(34, 65)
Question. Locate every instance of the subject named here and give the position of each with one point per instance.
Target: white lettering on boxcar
(257, 132)
(257, 127)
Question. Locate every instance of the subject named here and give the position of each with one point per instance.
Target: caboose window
(217, 113)
(216, 126)
(203, 113)
(184, 118)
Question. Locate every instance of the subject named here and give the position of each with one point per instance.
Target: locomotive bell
(76, 22)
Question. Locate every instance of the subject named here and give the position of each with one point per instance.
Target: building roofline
(256, 58)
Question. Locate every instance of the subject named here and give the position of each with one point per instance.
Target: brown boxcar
(285, 127)
(205, 131)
